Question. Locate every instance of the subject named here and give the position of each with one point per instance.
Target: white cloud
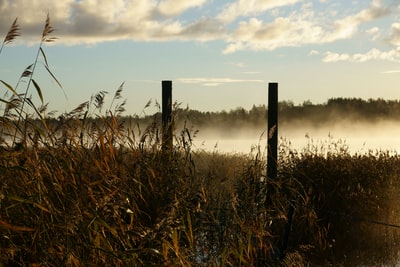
(216, 81)
(390, 72)
(32, 14)
(175, 7)
(255, 34)
(346, 27)
(313, 52)
(93, 21)
(374, 32)
(242, 8)
(204, 29)
(299, 28)
(335, 57)
(394, 38)
(374, 54)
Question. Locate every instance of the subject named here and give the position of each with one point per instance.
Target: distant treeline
(334, 110)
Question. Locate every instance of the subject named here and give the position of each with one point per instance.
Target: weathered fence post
(272, 160)
(167, 126)
(272, 153)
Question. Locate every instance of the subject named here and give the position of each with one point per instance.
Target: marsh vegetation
(92, 187)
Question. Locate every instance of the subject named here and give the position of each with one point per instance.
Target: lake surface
(355, 145)
(359, 138)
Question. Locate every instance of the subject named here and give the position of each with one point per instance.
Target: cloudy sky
(220, 54)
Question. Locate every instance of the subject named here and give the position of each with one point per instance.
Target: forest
(333, 110)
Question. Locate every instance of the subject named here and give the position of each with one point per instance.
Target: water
(245, 145)
(359, 138)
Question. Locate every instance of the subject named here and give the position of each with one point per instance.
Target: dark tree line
(334, 110)
(342, 109)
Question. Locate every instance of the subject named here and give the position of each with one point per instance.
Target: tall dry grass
(91, 189)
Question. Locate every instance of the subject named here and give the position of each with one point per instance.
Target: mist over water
(358, 137)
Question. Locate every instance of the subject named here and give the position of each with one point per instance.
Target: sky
(219, 54)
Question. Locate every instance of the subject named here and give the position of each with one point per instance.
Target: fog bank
(360, 137)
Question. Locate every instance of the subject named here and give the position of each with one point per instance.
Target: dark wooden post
(272, 149)
(272, 159)
(272, 153)
(167, 126)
